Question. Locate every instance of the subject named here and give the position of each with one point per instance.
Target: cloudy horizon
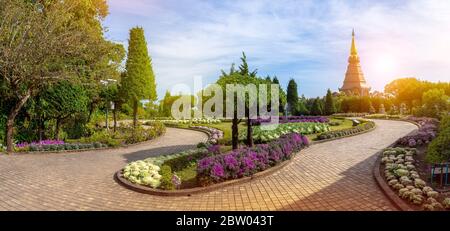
(305, 40)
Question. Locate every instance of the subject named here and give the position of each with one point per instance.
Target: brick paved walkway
(334, 175)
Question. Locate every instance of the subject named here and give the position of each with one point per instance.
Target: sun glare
(385, 64)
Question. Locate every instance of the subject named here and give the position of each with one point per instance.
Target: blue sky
(305, 40)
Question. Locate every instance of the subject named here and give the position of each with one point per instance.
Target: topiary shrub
(166, 178)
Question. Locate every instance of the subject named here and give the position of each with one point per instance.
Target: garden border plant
(88, 146)
(262, 163)
(412, 188)
(365, 127)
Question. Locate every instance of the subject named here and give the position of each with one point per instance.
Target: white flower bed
(143, 173)
(401, 175)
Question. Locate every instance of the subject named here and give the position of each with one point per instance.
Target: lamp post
(106, 83)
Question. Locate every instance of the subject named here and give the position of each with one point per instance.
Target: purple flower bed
(248, 161)
(426, 133)
(294, 119)
(39, 143)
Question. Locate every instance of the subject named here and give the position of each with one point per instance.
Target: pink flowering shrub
(248, 161)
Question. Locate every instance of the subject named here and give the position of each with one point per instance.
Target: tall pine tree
(330, 107)
(292, 97)
(139, 81)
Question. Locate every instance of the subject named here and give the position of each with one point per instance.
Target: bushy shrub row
(248, 161)
(383, 116)
(56, 145)
(126, 134)
(439, 148)
(364, 126)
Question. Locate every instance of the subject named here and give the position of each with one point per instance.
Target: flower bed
(55, 145)
(136, 171)
(267, 133)
(293, 119)
(188, 121)
(204, 166)
(364, 126)
(248, 161)
(425, 134)
(400, 172)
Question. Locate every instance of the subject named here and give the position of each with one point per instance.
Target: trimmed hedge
(364, 126)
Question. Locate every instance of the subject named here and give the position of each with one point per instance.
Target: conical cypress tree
(330, 107)
(292, 97)
(139, 81)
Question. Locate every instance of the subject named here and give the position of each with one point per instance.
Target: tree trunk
(10, 122)
(135, 112)
(250, 142)
(115, 119)
(58, 125)
(235, 131)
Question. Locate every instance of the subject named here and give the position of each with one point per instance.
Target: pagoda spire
(354, 82)
(353, 50)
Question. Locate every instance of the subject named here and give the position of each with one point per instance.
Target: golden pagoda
(354, 83)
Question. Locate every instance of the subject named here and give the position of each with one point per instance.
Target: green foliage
(411, 90)
(184, 161)
(166, 178)
(330, 107)
(317, 108)
(435, 103)
(439, 148)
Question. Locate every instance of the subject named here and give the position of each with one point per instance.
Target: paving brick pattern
(335, 175)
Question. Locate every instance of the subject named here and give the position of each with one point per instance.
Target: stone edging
(188, 192)
(381, 182)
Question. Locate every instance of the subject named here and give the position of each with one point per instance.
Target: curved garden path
(335, 175)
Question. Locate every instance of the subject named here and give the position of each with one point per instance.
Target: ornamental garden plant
(407, 166)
